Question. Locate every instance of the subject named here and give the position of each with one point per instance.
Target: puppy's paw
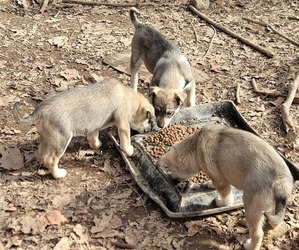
(59, 173)
(220, 202)
(96, 145)
(129, 151)
(247, 244)
(210, 184)
(224, 202)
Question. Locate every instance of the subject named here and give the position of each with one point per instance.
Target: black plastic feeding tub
(165, 191)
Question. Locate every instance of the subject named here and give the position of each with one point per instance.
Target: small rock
(201, 4)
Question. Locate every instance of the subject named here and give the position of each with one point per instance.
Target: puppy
(235, 157)
(84, 112)
(172, 76)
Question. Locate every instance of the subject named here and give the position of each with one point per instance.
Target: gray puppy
(172, 79)
(235, 157)
(84, 112)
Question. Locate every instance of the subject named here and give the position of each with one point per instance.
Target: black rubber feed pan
(165, 191)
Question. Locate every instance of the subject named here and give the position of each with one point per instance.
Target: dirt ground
(98, 205)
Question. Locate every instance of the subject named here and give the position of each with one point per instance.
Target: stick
(210, 45)
(195, 33)
(123, 245)
(294, 18)
(44, 6)
(266, 52)
(137, 4)
(271, 28)
(285, 107)
(238, 93)
(272, 92)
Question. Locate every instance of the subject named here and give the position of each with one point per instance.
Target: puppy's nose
(161, 124)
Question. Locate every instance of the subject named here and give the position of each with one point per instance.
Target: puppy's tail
(282, 191)
(33, 118)
(134, 13)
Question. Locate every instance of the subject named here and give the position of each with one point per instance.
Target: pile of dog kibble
(167, 137)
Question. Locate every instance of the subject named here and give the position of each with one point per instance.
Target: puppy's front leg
(134, 67)
(93, 140)
(190, 94)
(125, 138)
(226, 196)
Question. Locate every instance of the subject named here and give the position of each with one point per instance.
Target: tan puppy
(172, 75)
(235, 157)
(84, 112)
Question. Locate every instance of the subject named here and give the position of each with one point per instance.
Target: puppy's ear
(188, 84)
(154, 90)
(147, 112)
(180, 97)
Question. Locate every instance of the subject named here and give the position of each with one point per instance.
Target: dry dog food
(167, 137)
(200, 178)
(158, 141)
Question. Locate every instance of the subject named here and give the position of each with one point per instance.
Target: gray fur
(172, 74)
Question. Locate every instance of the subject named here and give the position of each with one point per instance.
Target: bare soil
(98, 205)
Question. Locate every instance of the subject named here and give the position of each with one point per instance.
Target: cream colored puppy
(84, 112)
(235, 157)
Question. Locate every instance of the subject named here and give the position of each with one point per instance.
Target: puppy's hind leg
(51, 152)
(135, 64)
(93, 140)
(255, 219)
(255, 224)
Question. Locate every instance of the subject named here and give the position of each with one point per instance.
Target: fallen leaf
(192, 227)
(55, 217)
(11, 158)
(82, 154)
(40, 225)
(82, 233)
(278, 101)
(63, 244)
(131, 239)
(6, 100)
(69, 74)
(58, 41)
(81, 61)
(101, 223)
(124, 194)
(27, 223)
(62, 200)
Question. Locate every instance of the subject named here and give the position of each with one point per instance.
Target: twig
(271, 28)
(285, 107)
(238, 100)
(137, 4)
(272, 92)
(44, 6)
(195, 33)
(210, 45)
(266, 52)
(123, 245)
(294, 18)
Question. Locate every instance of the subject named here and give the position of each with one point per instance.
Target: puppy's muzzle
(154, 125)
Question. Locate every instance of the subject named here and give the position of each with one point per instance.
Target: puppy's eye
(157, 111)
(169, 113)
